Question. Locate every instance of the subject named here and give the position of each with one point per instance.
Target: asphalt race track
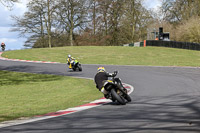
(165, 100)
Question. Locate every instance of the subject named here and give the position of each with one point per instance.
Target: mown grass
(115, 55)
(26, 95)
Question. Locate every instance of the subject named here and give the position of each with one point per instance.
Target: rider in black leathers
(101, 77)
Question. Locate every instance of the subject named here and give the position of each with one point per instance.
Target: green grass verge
(115, 55)
(26, 95)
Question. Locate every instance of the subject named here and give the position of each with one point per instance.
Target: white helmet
(69, 56)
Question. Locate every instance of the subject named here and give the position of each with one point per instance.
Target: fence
(136, 44)
(173, 44)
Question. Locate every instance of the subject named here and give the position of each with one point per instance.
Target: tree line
(182, 19)
(49, 23)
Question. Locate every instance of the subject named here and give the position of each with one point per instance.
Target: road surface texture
(165, 100)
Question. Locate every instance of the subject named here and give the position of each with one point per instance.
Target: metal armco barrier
(173, 44)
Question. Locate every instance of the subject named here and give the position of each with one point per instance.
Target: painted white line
(189, 67)
(3, 58)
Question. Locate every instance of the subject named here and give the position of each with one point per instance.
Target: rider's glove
(115, 72)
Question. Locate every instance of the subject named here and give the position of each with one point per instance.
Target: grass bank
(115, 55)
(25, 95)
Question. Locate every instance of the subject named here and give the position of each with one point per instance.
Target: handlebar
(114, 74)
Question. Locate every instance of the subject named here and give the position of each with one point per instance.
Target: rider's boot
(70, 66)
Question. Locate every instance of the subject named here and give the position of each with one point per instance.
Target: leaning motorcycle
(76, 65)
(116, 91)
(3, 48)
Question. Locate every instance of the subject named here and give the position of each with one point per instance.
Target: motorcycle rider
(3, 45)
(101, 77)
(69, 59)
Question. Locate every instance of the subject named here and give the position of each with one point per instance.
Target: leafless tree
(8, 3)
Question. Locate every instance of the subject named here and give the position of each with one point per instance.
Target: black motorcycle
(116, 91)
(76, 65)
(3, 48)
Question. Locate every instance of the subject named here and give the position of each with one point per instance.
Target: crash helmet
(69, 56)
(101, 69)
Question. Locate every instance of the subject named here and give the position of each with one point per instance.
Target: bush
(189, 31)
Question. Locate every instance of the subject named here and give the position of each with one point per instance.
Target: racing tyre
(79, 68)
(128, 98)
(74, 69)
(117, 97)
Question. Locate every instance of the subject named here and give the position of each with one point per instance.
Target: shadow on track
(179, 114)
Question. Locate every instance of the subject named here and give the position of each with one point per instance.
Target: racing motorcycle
(3, 48)
(116, 91)
(76, 65)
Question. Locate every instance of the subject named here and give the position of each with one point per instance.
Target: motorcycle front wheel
(128, 98)
(117, 97)
(79, 67)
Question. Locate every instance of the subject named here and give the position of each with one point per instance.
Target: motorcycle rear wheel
(74, 69)
(117, 97)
